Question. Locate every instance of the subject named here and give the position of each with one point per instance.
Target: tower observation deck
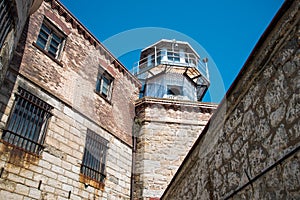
(172, 69)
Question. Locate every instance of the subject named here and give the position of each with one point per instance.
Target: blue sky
(225, 31)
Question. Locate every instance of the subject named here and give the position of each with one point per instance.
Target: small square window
(104, 84)
(26, 127)
(50, 39)
(94, 157)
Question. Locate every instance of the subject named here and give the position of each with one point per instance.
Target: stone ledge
(206, 107)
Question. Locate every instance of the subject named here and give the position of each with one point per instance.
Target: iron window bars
(94, 158)
(26, 127)
(6, 20)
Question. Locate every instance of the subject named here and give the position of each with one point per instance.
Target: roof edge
(177, 41)
(70, 18)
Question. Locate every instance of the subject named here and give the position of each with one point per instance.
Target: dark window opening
(94, 158)
(142, 91)
(104, 84)
(26, 127)
(174, 90)
(50, 39)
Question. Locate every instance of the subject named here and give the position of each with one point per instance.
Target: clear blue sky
(227, 30)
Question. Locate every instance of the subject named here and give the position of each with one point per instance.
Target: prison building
(67, 111)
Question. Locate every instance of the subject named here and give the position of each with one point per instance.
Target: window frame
(93, 166)
(104, 82)
(49, 36)
(27, 123)
(173, 56)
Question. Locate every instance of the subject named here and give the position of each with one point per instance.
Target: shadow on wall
(10, 78)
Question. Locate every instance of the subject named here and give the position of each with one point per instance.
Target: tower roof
(172, 69)
(165, 43)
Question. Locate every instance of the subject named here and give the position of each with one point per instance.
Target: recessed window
(5, 20)
(104, 84)
(174, 90)
(94, 158)
(26, 127)
(50, 39)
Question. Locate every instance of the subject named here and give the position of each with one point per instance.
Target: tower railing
(176, 58)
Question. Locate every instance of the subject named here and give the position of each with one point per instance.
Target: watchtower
(172, 69)
(169, 115)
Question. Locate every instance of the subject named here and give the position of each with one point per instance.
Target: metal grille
(27, 123)
(94, 158)
(5, 20)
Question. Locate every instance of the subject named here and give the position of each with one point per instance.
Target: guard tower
(169, 115)
(172, 69)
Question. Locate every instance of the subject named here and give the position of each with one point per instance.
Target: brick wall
(250, 150)
(165, 131)
(73, 79)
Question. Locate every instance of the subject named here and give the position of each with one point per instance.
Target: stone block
(4, 195)
(22, 189)
(15, 178)
(34, 193)
(28, 174)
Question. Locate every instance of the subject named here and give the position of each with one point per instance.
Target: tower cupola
(172, 69)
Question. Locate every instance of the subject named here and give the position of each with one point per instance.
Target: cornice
(176, 104)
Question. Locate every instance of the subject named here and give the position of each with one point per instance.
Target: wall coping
(207, 107)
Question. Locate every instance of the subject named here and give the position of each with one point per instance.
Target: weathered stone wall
(165, 131)
(250, 150)
(19, 13)
(58, 167)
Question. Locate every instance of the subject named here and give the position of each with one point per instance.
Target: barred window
(50, 39)
(94, 158)
(104, 84)
(5, 20)
(26, 127)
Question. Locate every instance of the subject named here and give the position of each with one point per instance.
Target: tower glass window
(173, 56)
(94, 158)
(50, 39)
(26, 127)
(174, 90)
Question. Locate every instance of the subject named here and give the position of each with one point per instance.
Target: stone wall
(58, 167)
(165, 131)
(250, 149)
(19, 13)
